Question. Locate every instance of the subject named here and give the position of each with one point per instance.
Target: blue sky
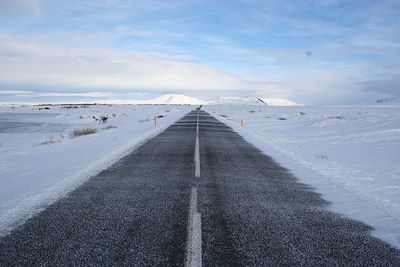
(313, 52)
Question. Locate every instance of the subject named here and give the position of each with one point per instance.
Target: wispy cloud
(27, 62)
(25, 93)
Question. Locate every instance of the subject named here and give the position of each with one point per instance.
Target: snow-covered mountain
(172, 99)
(178, 99)
(251, 100)
(236, 100)
(279, 102)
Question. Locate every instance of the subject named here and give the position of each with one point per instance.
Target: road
(196, 194)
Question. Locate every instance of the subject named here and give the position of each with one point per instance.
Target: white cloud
(11, 8)
(15, 92)
(88, 94)
(40, 64)
(60, 71)
(25, 93)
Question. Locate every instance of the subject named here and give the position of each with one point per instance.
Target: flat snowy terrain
(41, 159)
(350, 154)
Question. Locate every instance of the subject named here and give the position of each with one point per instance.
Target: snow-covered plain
(40, 161)
(350, 154)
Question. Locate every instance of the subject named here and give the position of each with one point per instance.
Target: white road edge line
(193, 243)
(197, 151)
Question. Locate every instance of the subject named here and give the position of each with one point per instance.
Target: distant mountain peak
(180, 99)
(251, 100)
(175, 99)
(273, 101)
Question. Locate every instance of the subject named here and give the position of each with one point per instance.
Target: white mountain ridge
(175, 99)
(273, 101)
(251, 100)
(180, 99)
(236, 100)
(167, 99)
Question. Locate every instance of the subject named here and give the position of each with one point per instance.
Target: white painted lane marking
(197, 158)
(193, 243)
(197, 150)
(197, 124)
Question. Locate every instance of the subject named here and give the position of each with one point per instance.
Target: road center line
(197, 151)
(193, 243)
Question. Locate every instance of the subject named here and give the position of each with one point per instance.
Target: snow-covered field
(41, 160)
(350, 154)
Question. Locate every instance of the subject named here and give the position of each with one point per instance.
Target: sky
(312, 52)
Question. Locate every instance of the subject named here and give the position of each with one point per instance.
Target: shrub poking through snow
(50, 141)
(81, 132)
(323, 156)
(336, 117)
(103, 119)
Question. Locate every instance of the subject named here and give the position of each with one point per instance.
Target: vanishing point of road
(196, 194)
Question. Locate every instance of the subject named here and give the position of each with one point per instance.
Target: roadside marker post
(241, 123)
(155, 120)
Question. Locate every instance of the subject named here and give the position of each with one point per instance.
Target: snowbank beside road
(40, 161)
(350, 154)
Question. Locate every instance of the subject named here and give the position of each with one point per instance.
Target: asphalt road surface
(196, 194)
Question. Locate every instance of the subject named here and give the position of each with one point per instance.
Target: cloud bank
(26, 62)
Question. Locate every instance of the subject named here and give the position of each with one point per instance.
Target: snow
(231, 100)
(236, 100)
(279, 102)
(168, 99)
(350, 154)
(180, 99)
(40, 162)
(176, 99)
(251, 100)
